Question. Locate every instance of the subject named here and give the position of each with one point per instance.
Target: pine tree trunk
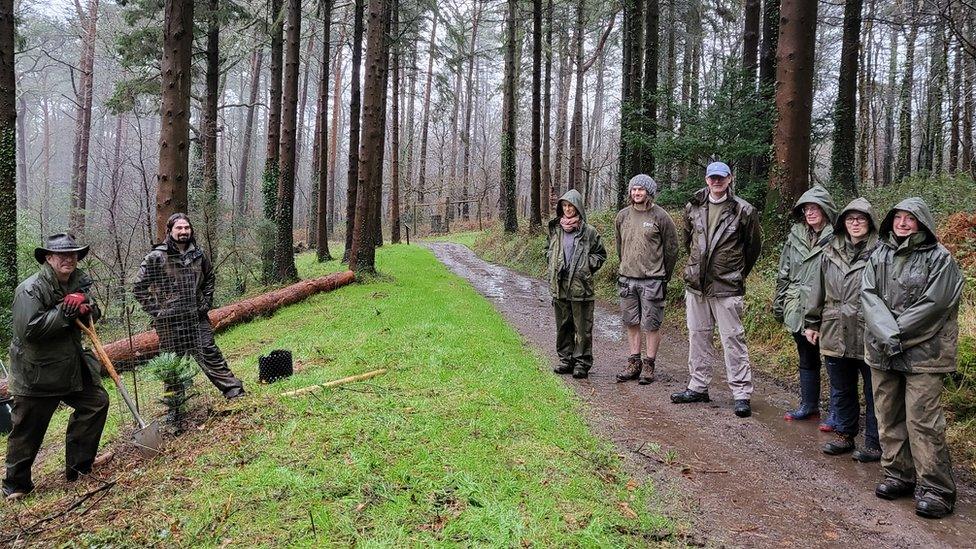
(665, 175)
(649, 85)
(767, 80)
(904, 168)
(865, 125)
(284, 256)
(576, 127)
(320, 165)
(45, 208)
(888, 161)
(750, 42)
(8, 167)
(395, 131)
(562, 99)
(955, 109)
(337, 70)
(469, 108)
(794, 102)
(83, 113)
(174, 138)
(545, 160)
(22, 178)
(363, 254)
(509, 113)
(968, 111)
(842, 157)
(930, 151)
(240, 197)
(425, 123)
(208, 135)
(269, 179)
(535, 211)
(352, 180)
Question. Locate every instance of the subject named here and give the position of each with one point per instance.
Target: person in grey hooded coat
(910, 295)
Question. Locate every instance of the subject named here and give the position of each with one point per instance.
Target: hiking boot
(15, 494)
(71, 474)
(805, 411)
(686, 396)
(892, 488)
(563, 369)
(930, 505)
(841, 444)
(632, 371)
(236, 392)
(647, 372)
(579, 372)
(867, 455)
(743, 407)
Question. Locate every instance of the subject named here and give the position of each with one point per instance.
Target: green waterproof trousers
(574, 332)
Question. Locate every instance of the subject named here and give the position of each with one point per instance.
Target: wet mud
(756, 482)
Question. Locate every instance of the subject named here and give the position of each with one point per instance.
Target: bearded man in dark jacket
(49, 365)
(175, 287)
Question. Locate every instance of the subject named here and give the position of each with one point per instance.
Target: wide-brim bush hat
(60, 243)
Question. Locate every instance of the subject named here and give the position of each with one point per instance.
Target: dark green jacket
(171, 283)
(834, 307)
(573, 281)
(718, 266)
(910, 294)
(46, 354)
(799, 263)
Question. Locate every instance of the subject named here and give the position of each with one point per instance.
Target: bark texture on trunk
(352, 179)
(320, 166)
(240, 195)
(535, 210)
(83, 114)
(509, 113)
(843, 171)
(284, 256)
(174, 132)
(210, 205)
(794, 101)
(8, 165)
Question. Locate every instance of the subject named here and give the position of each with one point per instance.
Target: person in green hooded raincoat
(835, 321)
(813, 217)
(910, 295)
(574, 253)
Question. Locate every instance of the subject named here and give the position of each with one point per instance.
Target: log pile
(145, 345)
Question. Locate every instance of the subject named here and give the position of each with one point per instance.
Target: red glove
(72, 301)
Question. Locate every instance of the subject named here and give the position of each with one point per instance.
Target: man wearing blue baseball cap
(723, 239)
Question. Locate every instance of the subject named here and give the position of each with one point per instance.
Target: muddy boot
(840, 445)
(647, 372)
(867, 454)
(809, 397)
(687, 396)
(563, 369)
(893, 488)
(632, 371)
(931, 505)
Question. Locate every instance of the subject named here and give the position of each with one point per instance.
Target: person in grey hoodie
(910, 294)
(574, 253)
(813, 219)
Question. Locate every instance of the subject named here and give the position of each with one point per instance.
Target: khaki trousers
(702, 314)
(911, 428)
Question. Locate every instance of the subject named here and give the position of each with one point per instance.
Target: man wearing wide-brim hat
(49, 365)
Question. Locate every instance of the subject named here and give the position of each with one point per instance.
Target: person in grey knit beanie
(645, 181)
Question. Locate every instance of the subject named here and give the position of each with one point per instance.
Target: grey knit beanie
(645, 181)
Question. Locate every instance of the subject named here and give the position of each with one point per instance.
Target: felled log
(145, 345)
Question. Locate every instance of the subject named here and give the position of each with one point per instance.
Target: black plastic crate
(277, 365)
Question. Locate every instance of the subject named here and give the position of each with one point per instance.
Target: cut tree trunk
(140, 347)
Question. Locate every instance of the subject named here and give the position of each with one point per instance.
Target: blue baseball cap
(718, 168)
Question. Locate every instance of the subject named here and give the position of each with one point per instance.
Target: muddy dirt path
(757, 482)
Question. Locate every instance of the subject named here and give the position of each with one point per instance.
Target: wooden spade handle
(99, 350)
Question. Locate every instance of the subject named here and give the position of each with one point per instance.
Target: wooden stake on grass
(335, 383)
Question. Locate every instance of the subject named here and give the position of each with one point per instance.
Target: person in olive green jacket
(813, 219)
(48, 365)
(835, 320)
(723, 239)
(574, 253)
(910, 294)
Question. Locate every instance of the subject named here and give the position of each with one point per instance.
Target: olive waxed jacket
(171, 283)
(834, 307)
(46, 353)
(799, 263)
(910, 294)
(588, 255)
(718, 266)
